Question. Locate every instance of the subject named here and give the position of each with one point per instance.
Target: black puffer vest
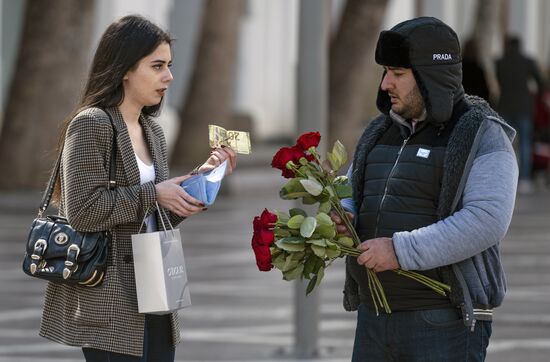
(410, 206)
(402, 182)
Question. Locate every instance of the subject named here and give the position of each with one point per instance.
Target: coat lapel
(124, 145)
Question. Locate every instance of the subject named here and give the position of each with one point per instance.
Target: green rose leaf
(325, 207)
(293, 185)
(346, 241)
(341, 180)
(290, 247)
(323, 219)
(325, 195)
(312, 186)
(293, 189)
(326, 231)
(279, 261)
(294, 273)
(343, 191)
(320, 275)
(290, 263)
(309, 265)
(281, 216)
(304, 172)
(339, 151)
(282, 233)
(308, 226)
(333, 253)
(296, 221)
(293, 240)
(309, 200)
(318, 250)
(319, 242)
(297, 211)
(275, 252)
(335, 163)
(285, 195)
(319, 263)
(311, 285)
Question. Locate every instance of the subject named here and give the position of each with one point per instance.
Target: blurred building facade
(266, 66)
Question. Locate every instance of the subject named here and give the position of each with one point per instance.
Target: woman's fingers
(171, 196)
(187, 199)
(223, 154)
(231, 156)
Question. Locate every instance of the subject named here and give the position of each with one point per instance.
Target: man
(434, 180)
(516, 103)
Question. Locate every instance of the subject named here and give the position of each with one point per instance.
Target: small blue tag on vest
(422, 152)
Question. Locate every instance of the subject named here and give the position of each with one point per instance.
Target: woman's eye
(157, 66)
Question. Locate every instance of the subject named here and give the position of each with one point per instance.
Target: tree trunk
(486, 27)
(212, 83)
(48, 77)
(351, 53)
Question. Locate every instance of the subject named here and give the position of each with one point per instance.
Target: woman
(128, 79)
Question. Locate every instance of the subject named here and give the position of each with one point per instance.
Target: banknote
(239, 141)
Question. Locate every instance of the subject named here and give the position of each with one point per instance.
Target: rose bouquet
(303, 246)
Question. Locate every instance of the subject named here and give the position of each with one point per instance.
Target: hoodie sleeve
(487, 207)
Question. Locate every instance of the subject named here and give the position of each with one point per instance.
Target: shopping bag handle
(160, 210)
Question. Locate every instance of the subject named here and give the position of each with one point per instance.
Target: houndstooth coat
(105, 317)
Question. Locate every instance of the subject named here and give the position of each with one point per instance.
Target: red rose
(263, 257)
(307, 140)
(268, 218)
(282, 157)
(262, 236)
(263, 228)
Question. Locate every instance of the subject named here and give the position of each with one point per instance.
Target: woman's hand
(171, 196)
(217, 156)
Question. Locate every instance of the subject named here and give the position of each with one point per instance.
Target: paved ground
(240, 314)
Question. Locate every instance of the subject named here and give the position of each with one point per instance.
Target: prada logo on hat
(445, 56)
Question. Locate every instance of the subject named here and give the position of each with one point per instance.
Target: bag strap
(161, 213)
(46, 198)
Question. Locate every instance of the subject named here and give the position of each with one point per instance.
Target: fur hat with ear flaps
(432, 50)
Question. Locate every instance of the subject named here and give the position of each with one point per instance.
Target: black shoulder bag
(56, 252)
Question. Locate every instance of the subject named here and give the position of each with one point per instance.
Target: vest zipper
(387, 182)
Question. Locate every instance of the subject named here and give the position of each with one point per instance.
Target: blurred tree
(351, 53)
(485, 31)
(47, 80)
(212, 82)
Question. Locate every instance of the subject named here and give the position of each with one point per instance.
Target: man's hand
(378, 254)
(340, 226)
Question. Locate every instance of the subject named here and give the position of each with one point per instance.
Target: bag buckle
(39, 248)
(72, 255)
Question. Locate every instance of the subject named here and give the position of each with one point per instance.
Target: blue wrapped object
(205, 186)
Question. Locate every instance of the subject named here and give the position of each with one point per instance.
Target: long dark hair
(122, 46)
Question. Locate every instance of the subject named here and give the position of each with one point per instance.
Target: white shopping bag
(161, 276)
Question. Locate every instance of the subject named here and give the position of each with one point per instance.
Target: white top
(147, 174)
